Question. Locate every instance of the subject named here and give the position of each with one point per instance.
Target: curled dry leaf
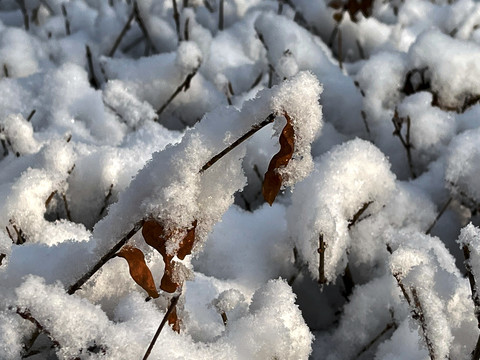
(156, 236)
(273, 180)
(353, 7)
(139, 269)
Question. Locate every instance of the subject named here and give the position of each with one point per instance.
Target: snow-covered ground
(343, 227)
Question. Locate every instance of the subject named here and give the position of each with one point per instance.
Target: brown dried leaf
(186, 245)
(139, 269)
(273, 180)
(156, 236)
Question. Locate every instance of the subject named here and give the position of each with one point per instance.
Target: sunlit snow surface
(362, 255)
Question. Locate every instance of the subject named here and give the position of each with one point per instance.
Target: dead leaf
(139, 269)
(273, 180)
(156, 236)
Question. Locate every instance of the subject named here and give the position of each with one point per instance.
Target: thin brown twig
(439, 215)
(359, 213)
(185, 85)
(67, 22)
(122, 34)
(5, 71)
(105, 202)
(172, 306)
(221, 16)
(397, 123)
(321, 268)
(26, 314)
(418, 314)
(93, 78)
(67, 210)
(23, 8)
(237, 142)
(29, 117)
(143, 27)
(109, 255)
(475, 296)
(390, 325)
(176, 18)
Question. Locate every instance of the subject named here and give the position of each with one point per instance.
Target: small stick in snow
(105, 202)
(110, 254)
(5, 149)
(224, 318)
(185, 85)
(186, 36)
(208, 6)
(390, 325)
(475, 296)
(397, 123)
(133, 43)
(5, 70)
(220, 15)
(365, 122)
(122, 34)
(340, 45)
(31, 115)
(141, 23)
(23, 8)
(176, 18)
(67, 22)
(359, 213)
(237, 142)
(25, 314)
(49, 199)
(418, 314)
(442, 210)
(348, 282)
(321, 268)
(67, 210)
(93, 79)
(172, 306)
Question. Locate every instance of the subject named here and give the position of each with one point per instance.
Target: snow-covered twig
(183, 86)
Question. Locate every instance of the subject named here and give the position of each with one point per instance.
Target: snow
(370, 249)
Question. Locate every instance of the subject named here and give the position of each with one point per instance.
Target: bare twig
(170, 309)
(29, 117)
(397, 123)
(475, 296)
(25, 314)
(141, 23)
(220, 15)
(185, 85)
(122, 34)
(49, 199)
(348, 282)
(67, 210)
(176, 18)
(418, 314)
(359, 213)
(186, 35)
(365, 122)
(321, 268)
(93, 79)
(224, 318)
(109, 255)
(237, 142)
(67, 22)
(339, 51)
(105, 202)
(390, 325)
(439, 215)
(23, 8)
(5, 71)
